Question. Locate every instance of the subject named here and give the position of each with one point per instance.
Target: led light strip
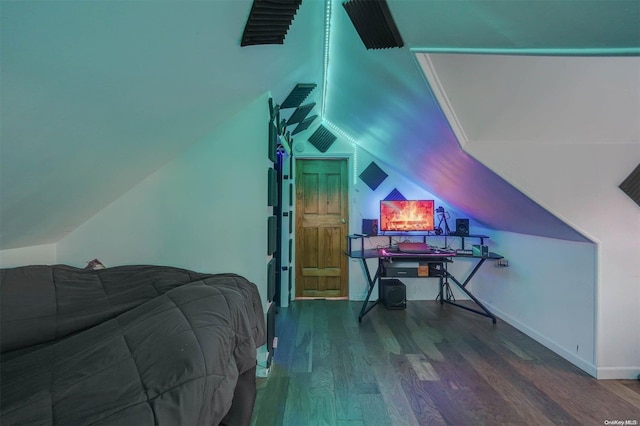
(342, 133)
(327, 37)
(325, 79)
(339, 131)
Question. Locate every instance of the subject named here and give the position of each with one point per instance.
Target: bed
(128, 345)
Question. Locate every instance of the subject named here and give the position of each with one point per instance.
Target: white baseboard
(605, 373)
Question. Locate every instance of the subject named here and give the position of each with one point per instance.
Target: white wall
(547, 292)
(36, 255)
(580, 185)
(206, 210)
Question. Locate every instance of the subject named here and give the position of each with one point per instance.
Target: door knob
(343, 220)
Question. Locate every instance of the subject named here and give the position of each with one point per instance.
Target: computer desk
(441, 258)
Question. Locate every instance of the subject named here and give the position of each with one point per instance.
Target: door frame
(349, 157)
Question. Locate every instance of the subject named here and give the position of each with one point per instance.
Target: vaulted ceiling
(95, 96)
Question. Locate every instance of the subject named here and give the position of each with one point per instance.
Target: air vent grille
(269, 21)
(322, 139)
(298, 95)
(374, 23)
(631, 185)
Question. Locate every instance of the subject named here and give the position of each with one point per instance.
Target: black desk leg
(473, 272)
(485, 312)
(372, 283)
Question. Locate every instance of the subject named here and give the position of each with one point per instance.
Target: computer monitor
(407, 215)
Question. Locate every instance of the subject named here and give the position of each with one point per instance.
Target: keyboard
(417, 248)
(460, 251)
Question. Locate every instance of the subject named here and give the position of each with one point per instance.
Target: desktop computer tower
(394, 294)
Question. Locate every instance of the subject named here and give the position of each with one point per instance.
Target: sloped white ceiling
(97, 95)
(538, 99)
(526, 26)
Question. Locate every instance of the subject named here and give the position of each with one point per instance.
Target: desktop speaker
(462, 227)
(370, 226)
(394, 294)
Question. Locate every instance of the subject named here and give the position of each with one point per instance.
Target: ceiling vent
(631, 185)
(269, 21)
(374, 23)
(298, 95)
(322, 139)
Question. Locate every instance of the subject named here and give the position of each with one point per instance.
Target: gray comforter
(131, 345)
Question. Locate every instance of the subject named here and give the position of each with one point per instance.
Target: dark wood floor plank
(346, 391)
(425, 338)
(468, 332)
(270, 405)
(386, 337)
(459, 385)
(376, 350)
(398, 406)
(428, 364)
(530, 404)
(323, 406)
(321, 371)
(298, 402)
(624, 391)
(302, 356)
(578, 394)
(374, 410)
(322, 336)
(421, 403)
(363, 368)
(634, 385)
(348, 372)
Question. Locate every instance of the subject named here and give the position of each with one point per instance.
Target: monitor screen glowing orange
(406, 215)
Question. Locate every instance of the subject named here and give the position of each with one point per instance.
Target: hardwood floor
(428, 364)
